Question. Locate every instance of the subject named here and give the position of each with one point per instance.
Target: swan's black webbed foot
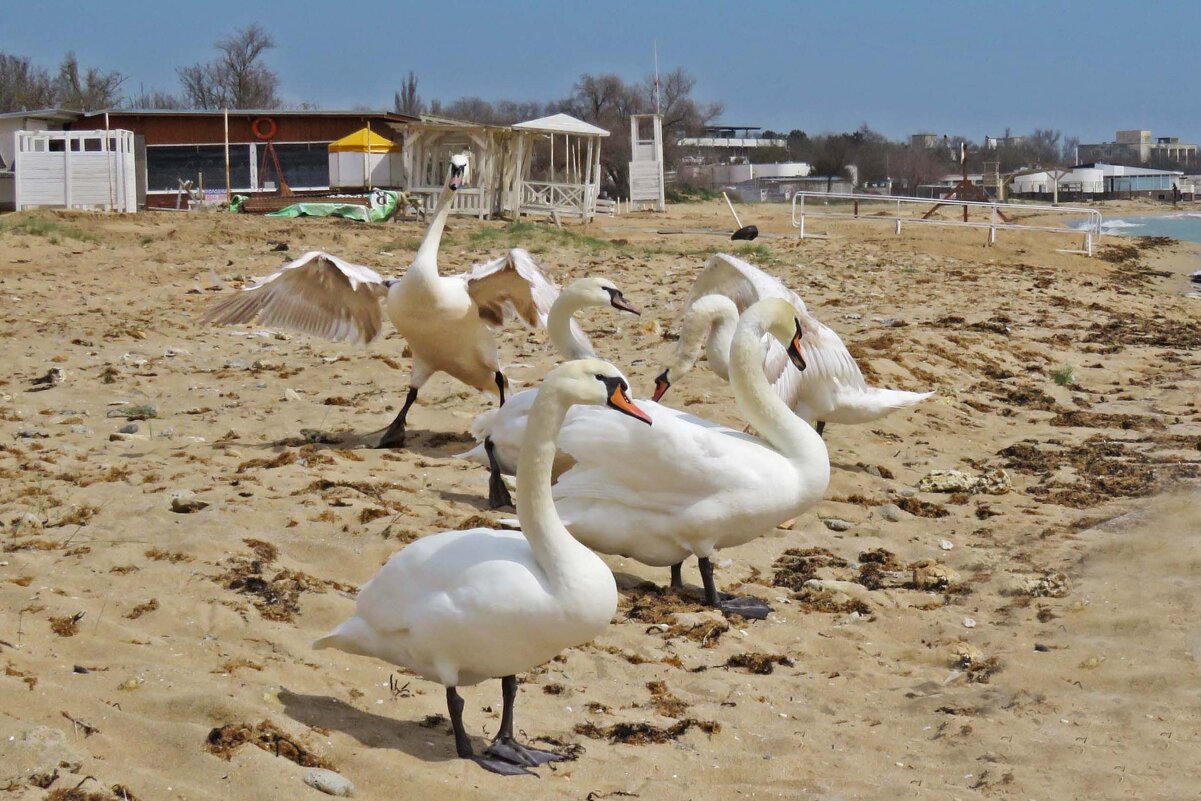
(498, 493)
(820, 428)
(501, 766)
(747, 606)
(394, 437)
(515, 753)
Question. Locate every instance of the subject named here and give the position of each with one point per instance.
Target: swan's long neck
(555, 550)
(760, 406)
(717, 346)
(425, 263)
(563, 334)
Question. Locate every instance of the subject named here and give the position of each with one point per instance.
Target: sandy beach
(160, 588)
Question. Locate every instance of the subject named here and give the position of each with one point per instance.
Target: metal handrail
(1092, 230)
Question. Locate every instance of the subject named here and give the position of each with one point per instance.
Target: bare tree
(155, 99)
(237, 78)
(407, 101)
(92, 90)
(23, 86)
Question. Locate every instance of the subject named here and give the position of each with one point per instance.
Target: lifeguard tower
(646, 162)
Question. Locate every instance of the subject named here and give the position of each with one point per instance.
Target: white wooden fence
(76, 170)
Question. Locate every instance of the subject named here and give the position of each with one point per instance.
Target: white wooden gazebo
(494, 174)
(565, 154)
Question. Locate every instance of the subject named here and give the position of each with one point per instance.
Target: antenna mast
(656, 43)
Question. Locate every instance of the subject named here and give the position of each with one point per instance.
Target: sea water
(1184, 225)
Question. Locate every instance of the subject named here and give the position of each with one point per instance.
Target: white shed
(76, 170)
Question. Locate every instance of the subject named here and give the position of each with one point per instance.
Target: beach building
(728, 143)
(549, 166)
(1099, 181)
(1137, 147)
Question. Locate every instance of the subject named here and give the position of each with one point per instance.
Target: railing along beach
(848, 207)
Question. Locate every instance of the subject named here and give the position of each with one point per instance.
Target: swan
(834, 391)
(500, 431)
(446, 320)
(692, 487)
(462, 607)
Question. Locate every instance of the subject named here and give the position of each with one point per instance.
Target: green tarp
(383, 206)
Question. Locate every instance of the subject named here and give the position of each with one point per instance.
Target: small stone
(237, 364)
(173, 352)
(329, 782)
(890, 512)
(180, 494)
(787, 525)
(291, 394)
(836, 524)
(946, 545)
(873, 470)
(907, 492)
(80, 429)
(969, 623)
(131, 683)
(118, 436)
(186, 506)
(128, 428)
(263, 364)
(931, 575)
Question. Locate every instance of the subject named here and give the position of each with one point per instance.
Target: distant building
(1138, 147)
(1100, 181)
(923, 140)
(994, 142)
(728, 143)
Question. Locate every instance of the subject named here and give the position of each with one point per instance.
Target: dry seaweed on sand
(650, 603)
(664, 702)
(759, 663)
(706, 632)
(223, 741)
(797, 565)
(642, 733)
(276, 597)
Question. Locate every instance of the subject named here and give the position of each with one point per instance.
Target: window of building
(167, 165)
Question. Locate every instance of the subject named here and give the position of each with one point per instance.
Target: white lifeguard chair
(646, 162)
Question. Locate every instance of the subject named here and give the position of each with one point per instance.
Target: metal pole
(228, 196)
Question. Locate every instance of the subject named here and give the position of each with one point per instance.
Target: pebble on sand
(329, 782)
(836, 524)
(890, 512)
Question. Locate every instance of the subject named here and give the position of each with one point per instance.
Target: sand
(1010, 646)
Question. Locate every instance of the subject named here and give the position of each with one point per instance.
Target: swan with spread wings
(447, 320)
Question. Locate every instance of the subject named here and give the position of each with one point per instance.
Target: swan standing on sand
(832, 391)
(461, 607)
(500, 432)
(691, 487)
(447, 320)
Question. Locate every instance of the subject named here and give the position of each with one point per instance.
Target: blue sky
(970, 68)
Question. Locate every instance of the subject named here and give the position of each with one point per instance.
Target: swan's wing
(514, 284)
(740, 281)
(828, 364)
(677, 461)
(317, 294)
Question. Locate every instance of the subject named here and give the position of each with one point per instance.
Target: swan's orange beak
(620, 400)
(662, 384)
(794, 349)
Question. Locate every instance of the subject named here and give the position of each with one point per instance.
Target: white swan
(691, 487)
(501, 431)
(447, 320)
(461, 607)
(832, 391)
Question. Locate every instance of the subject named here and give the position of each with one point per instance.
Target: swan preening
(689, 487)
(446, 320)
(501, 431)
(833, 391)
(461, 607)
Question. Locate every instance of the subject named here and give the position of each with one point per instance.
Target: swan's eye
(600, 377)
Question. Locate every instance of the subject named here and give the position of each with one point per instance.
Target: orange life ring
(259, 124)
